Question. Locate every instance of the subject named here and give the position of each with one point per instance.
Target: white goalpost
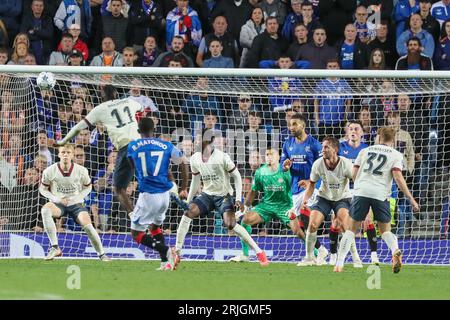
(247, 111)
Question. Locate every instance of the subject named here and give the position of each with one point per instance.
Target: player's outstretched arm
(308, 193)
(195, 184)
(184, 168)
(73, 132)
(236, 175)
(401, 183)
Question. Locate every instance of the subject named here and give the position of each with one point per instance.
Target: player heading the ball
(66, 184)
(151, 158)
(214, 168)
(373, 171)
(118, 116)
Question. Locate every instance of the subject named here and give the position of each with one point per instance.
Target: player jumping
(66, 184)
(151, 158)
(277, 199)
(118, 116)
(215, 168)
(373, 171)
(299, 153)
(334, 194)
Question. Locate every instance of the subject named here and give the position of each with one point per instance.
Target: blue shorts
(360, 208)
(123, 170)
(325, 206)
(72, 211)
(207, 203)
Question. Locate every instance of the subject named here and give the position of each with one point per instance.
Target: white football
(46, 80)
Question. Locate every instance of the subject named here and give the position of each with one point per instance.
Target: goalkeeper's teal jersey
(276, 186)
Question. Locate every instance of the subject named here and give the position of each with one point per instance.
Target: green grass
(38, 279)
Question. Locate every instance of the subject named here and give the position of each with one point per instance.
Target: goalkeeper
(277, 199)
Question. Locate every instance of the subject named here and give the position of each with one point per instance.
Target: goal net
(248, 111)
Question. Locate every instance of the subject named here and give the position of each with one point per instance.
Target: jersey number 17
(157, 166)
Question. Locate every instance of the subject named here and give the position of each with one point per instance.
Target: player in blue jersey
(350, 149)
(151, 158)
(299, 153)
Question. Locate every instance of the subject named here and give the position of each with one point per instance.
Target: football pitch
(123, 279)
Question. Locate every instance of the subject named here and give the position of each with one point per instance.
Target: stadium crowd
(322, 34)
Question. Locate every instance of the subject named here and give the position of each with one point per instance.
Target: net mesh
(248, 115)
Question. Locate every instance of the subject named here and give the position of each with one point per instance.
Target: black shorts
(360, 208)
(326, 206)
(72, 211)
(207, 203)
(123, 170)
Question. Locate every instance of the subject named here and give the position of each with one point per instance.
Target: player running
(118, 116)
(277, 199)
(215, 168)
(333, 196)
(151, 158)
(373, 171)
(66, 184)
(299, 153)
(350, 150)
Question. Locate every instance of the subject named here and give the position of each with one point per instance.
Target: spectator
(229, 44)
(135, 94)
(149, 53)
(217, 60)
(274, 8)
(29, 60)
(252, 28)
(331, 110)
(236, 12)
(442, 53)
(183, 21)
(335, 15)
(3, 56)
(43, 147)
(365, 30)
(64, 122)
(430, 24)
(76, 58)
(128, 57)
(441, 11)
(20, 51)
(238, 117)
(369, 130)
(385, 7)
(146, 19)
(16, 156)
(74, 11)
(301, 38)
(317, 52)
(267, 46)
(39, 28)
(109, 56)
(311, 23)
(377, 61)
(176, 51)
(414, 60)
(353, 53)
(79, 44)
(416, 31)
(10, 11)
(402, 11)
(115, 25)
(293, 19)
(385, 43)
(61, 57)
(78, 109)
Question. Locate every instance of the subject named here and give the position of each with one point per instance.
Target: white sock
(94, 238)
(344, 247)
(354, 252)
(310, 241)
(49, 226)
(391, 241)
(243, 234)
(182, 230)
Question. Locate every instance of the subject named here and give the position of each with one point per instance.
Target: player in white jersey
(373, 171)
(334, 195)
(66, 184)
(214, 168)
(118, 116)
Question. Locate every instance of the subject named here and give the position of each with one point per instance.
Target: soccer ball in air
(46, 80)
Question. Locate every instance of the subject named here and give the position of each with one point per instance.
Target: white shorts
(297, 199)
(150, 209)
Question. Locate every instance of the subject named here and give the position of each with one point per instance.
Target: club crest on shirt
(307, 149)
(280, 180)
